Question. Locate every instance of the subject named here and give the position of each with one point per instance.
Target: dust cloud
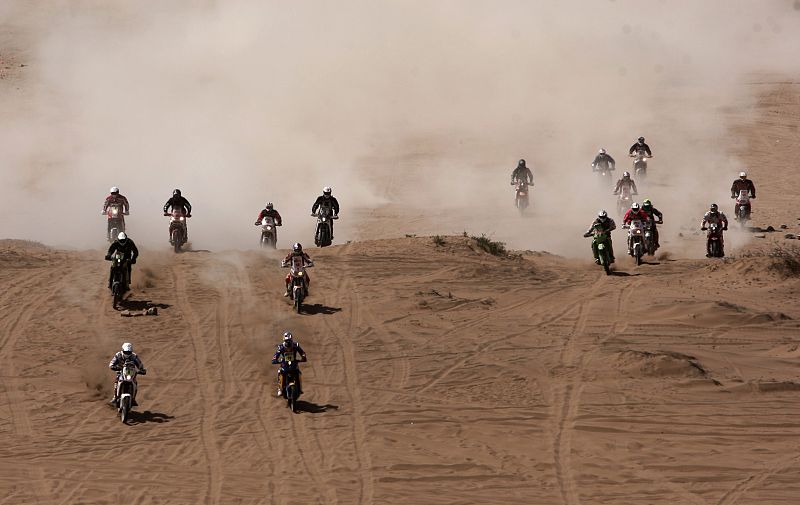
(415, 112)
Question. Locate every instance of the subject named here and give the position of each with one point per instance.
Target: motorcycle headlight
(182, 218)
(324, 219)
(299, 274)
(269, 227)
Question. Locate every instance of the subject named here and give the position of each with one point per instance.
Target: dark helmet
(713, 207)
(297, 247)
(641, 140)
(647, 204)
(521, 163)
(176, 192)
(269, 205)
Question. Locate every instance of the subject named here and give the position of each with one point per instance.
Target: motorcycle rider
(522, 174)
(289, 345)
(603, 161)
(714, 216)
(178, 202)
(327, 200)
(269, 211)
(129, 250)
(115, 198)
(606, 224)
(740, 184)
(635, 213)
(639, 145)
(297, 250)
(119, 359)
(655, 216)
(626, 183)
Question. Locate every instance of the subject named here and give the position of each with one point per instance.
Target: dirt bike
(521, 199)
(291, 379)
(119, 277)
(298, 280)
(635, 239)
(125, 390)
(743, 207)
(603, 240)
(714, 248)
(116, 220)
(177, 228)
(624, 201)
(324, 234)
(269, 233)
(603, 175)
(640, 164)
(650, 236)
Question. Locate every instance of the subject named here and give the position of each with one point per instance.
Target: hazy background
(414, 111)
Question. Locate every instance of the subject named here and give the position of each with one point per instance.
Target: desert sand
(437, 373)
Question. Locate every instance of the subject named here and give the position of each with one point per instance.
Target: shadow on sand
(320, 309)
(138, 305)
(148, 417)
(313, 408)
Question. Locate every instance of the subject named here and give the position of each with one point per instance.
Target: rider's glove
(704, 228)
(257, 223)
(188, 215)
(724, 228)
(587, 234)
(108, 257)
(142, 372)
(133, 262)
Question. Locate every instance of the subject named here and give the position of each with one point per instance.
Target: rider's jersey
(119, 359)
(285, 354)
(653, 214)
(117, 199)
(269, 213)
(178, 203)
(300, 259)
(522, 174)
(714, 218)
(740, 185)
(640, 147)
(330, 203)
(128, 249)
(604, 162)
(607, 225)
(623, 185)
(634, 215)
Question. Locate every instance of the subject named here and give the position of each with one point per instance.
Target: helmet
(114, 190)
(297, 247)
(287, 337)
(743, 175)
(647, 203)
(269, 205)
(327, 191)
(127, 348)
(641, 139)
(122, 237)
(626, 175)
(521, 163)
(713, 207)
(602, 151)
(635, 206)
(602, 214)
(176, 192)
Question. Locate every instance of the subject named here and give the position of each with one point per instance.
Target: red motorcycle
(714, 243)
(116, 220)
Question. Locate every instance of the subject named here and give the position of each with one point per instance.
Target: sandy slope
(436, 375)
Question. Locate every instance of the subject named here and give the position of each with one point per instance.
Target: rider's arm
(278, 220)
(105, 204)
(335, 204)
(315, 206)
(167, 205)
(611, 160)
(188, 206)
(632, 149)
(752, 189)
(611, 225)
(125, 206)
(633, 186)
(647, 148)
(134, 250)
(114, 363)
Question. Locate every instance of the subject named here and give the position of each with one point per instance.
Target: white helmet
(602, 151)
(602, 213)
(743, 175)
(114, 190)
(122, 236)
(327, 190)
(127, 348)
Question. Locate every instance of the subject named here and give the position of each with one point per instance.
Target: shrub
(490, 246)
(438, 240)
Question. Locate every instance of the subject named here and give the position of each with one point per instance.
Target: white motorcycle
(635, 240)
(126, 388)
(269, 233)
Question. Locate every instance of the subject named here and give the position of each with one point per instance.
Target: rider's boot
(280, 384)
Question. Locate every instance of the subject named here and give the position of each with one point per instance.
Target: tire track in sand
(208, 408)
